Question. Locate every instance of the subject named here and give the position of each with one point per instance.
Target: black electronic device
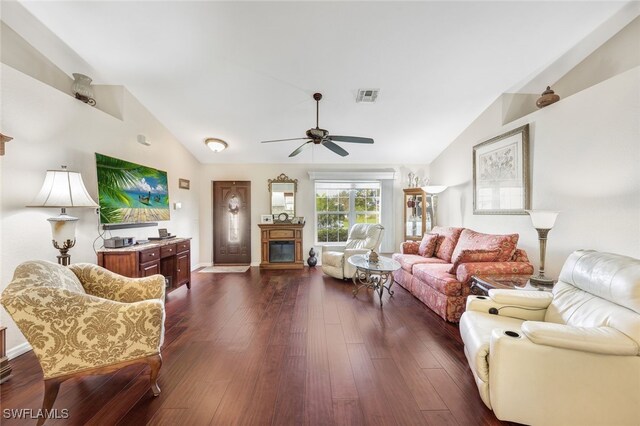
(118, 242)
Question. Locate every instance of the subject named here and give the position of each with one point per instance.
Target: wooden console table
(281, 246)
(171, 258)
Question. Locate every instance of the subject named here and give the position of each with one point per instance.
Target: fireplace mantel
(281, 232)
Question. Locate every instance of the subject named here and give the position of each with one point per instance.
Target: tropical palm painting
(131, 193)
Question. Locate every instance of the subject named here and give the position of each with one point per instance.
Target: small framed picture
(266, 218)
(301, 220)
(184, 184)
(295, 220)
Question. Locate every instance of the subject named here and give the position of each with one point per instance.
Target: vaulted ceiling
(246, 71)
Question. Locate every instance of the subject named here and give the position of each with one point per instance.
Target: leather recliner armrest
(599, 340)
(526, 305)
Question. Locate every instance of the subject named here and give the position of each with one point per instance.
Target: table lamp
(543, 221)
(63, 189)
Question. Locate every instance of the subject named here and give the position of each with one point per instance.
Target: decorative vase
(312, 260)
(548, 97)
(82, 89)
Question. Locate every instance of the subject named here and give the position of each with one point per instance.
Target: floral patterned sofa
(438, 269)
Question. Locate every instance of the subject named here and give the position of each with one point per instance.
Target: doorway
(231, 222)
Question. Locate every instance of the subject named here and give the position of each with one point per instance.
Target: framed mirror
(283, 195)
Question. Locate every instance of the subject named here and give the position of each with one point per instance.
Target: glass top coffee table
(373, 275)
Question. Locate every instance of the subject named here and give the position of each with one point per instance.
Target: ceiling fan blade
(351, 139)
(299, 150)
(282, 140)
(335, 148)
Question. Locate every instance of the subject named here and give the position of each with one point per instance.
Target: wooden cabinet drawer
(168, 250)
(149, 255)
(281, 233)
(183, 246)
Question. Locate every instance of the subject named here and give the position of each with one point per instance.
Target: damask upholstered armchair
(85, 320)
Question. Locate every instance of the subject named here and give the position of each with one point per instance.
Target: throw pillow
(473, 255)
(447, 240)
(476, 240)
(428, 245)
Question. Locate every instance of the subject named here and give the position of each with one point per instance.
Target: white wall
(50, 129)
(259, 174)
(585, 157)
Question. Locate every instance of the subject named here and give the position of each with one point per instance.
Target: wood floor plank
(372, 398)
(279, 348)
(289, 408)
(397, 394)
(342, 383)
(439, 418)
(347, 412)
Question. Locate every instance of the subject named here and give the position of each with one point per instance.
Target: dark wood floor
(279, 348)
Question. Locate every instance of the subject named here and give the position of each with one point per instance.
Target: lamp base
(541, 280)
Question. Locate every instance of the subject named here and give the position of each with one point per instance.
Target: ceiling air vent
(367, 95)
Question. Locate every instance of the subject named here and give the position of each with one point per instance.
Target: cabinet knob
(153, 254)
(178, 270)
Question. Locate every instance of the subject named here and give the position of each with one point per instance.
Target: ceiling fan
(322, 137)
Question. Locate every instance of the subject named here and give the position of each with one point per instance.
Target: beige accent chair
(85, 320)
(362, 238)
(571, 357)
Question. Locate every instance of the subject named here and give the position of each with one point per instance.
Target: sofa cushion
(473, 255)
(407, 261)
(447, 240)
(428, 245)
(476, 240)
(438, 277)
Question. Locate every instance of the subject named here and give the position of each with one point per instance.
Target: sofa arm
(103, 283)
(409, 247)
(71, 331)
(526, 305)
(598, 340)
(467, 270)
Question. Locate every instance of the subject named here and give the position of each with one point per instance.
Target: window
(340, 204)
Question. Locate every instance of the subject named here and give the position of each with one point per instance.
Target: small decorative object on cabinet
(415, 214)
(82, 89)
(547, 98)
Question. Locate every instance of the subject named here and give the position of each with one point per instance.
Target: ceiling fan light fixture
(215, 144)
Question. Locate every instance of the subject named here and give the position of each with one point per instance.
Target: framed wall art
(501, 183)
(184, 184)
(266, 218)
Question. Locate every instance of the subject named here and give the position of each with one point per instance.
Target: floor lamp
(63, 189)
(543, 221)
(432, 192)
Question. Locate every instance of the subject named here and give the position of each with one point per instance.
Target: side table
(5, 368)
(373, 275)
(481, 284)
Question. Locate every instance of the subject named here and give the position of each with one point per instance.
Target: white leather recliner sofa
(571, 357)
(362, 238)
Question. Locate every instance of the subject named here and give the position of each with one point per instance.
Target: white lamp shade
(63, 228)
(62, 188)
(543, 219)
(434, 189)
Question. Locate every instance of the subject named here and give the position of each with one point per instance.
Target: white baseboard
(202, 265)
(18, 350)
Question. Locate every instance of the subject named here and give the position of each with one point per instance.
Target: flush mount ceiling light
(215, 145)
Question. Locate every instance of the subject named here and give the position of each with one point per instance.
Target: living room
(583, 149)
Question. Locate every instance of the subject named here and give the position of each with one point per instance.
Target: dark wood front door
(231, 222)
